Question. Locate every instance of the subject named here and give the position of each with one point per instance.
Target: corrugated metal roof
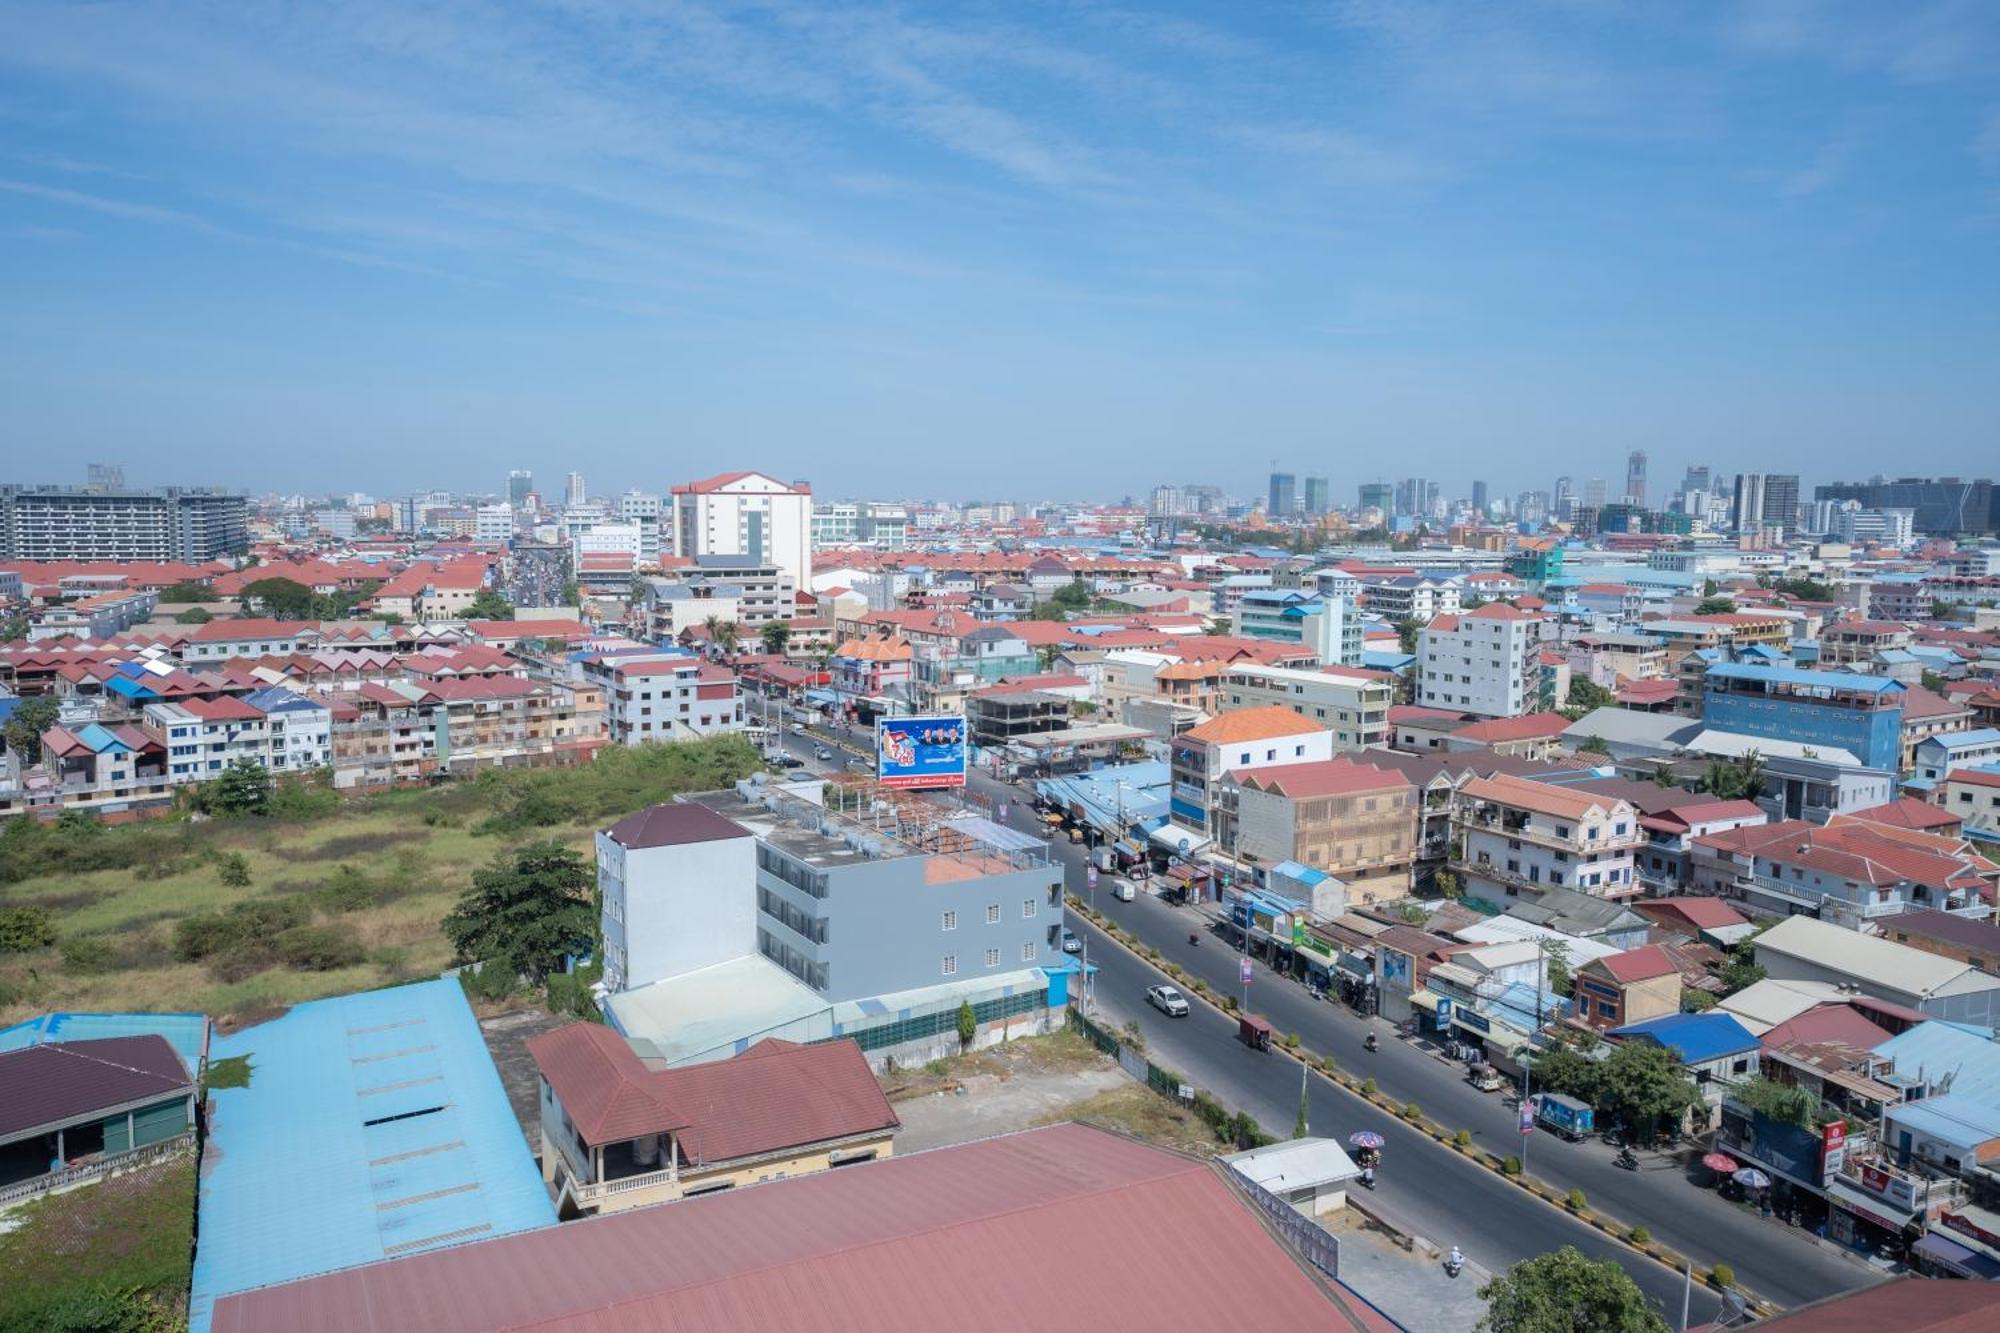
(374, 1125)
(1065, 1223)
(186, 1033)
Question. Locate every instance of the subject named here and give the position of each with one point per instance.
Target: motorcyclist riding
(1455, 1262)
(1370, 1043)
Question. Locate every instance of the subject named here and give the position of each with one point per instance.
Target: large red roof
(999, 1235)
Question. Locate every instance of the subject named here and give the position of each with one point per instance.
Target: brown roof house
(1628, 987)
(618, 1135)
(70, 1110)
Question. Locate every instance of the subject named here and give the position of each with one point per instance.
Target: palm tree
(722, 634)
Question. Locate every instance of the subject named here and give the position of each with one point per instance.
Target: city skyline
(310, 245)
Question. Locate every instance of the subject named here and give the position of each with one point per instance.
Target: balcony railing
(602, 1189)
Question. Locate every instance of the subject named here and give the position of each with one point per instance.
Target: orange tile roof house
(618, 1135)
(1238, 741)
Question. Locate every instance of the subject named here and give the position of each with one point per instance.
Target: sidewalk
(1410, 1286)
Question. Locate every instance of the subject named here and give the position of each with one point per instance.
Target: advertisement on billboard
(920, 751)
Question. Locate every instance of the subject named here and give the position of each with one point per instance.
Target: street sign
(1090, 876)
(1243, 971)
(1527, 1116)
(1444, 1011)
(1003, 812)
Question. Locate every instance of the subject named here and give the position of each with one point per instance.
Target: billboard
(920, 751)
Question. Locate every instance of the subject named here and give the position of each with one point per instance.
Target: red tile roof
(1701, 913)
(1909, 812)
(1333, 777)
(1529, 726)
(1827, 1022)
(986, 1237)
(231, 630)
(1641, 964)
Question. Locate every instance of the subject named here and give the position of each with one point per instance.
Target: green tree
(571, 594)
(1565, 1069)
(489, 605)
(1740, 968)
(722, 633)
(1739, 779)
(234, 871)
(1072, 596)
(1594, 745)
(968, 1025)
(25, 928)
(775, 636)
(194, 615)
(1587, 694)
(1407, 630)
(1645, 1084)
(1715, 606)
(526, 912)
(187, 592)
(1933, 682)
(1564, 1292)
(1557, 953)
(281, 598)
(30, 718)
(13, 628)
(1805, 590)
(243, 788)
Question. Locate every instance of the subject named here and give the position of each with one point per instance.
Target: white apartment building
(1520, 835)
(1480, 662)
(665, 697)
(626, 539)
(658, 874)
(205, 736)
(643, 509)
(1409, 597)
(298, 730)
(1240, 741)
(1352, 705)
(746, 514)
(493, 523)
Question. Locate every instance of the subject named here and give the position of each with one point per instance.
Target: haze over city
(395, 245)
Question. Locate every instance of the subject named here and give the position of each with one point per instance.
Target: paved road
(1778, 1262)
(1443, 1197)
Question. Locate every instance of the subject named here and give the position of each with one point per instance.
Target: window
(950, 921)
(1298, 750)
(1027, 908)
(1028, 952)
(951, 964)
(993, 914)
(992, 958)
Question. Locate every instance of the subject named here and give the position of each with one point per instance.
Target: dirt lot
(1038, 1081)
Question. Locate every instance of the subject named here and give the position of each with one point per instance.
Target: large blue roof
(1934, 1051)
(1698, 1037)
(1832, 680)
(374, 1126)
(186, 1033)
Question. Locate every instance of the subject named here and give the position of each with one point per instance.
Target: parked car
(1168, 1001)
(1122, 890)
(1071, 943)
(792, 761)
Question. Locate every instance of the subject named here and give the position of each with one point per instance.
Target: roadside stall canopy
(1949, 1254)
(1174, 838)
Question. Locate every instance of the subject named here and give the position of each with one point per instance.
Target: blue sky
(1016, 250)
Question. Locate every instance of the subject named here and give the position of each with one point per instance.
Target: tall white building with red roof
(746, 514)
(1481, 662)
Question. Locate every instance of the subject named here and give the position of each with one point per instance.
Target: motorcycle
(1369, 1043)
(1626, 1160)
(1368, 1177)
(1194, 939)
(1454, 1263)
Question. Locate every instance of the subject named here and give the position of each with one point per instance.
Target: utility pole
(1687, 1294)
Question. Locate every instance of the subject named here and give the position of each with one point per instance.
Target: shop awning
(1130, 847)
(1949, 1254)
(1174, 838)
(822, 697)
(1861, 1203)
(1424, 1000)
(1499, 1038)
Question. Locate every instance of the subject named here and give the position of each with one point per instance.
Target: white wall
(671, 910)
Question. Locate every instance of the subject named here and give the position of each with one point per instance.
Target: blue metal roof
(1698, 1037)
(186, 1033)
(1298, 872)
(1932, 1051)
(1953, 1118)
(374, 1126)
(1832, 680)
(1139, 790)
(1964, 740)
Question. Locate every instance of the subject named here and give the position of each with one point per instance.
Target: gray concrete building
(85, 523)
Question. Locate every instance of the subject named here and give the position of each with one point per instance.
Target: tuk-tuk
(1254, 1031)
(1485, 1078)
(1076, 835)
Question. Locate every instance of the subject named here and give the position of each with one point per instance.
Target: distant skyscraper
(573, 492)
(1562, 504)
(1748, 511)
(1635, 477)
(1284, 495)
(1166, 502)
(1377, 495)
(1315, 495)
(1479, 498)
(1781, 500)
(520, 485)
(107, 476)
(1593, 493)
(1695, 480)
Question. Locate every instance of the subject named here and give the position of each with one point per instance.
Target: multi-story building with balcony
(1482, 662)
(1855, 642)
(1851, 872)
(114, 772)
(1240, 741)
(1861, 715)
(1409, 597)
(1352, 821)
(1519, 835)
(1352, 704)
(407, 731)
(91, 523)
(665, 696)
(873, 676)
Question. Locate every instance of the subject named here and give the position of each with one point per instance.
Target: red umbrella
(1717, 1161)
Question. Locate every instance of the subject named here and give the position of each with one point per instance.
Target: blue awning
(818, 696)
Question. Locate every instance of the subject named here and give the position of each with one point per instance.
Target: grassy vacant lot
(114, 1255)
(352, 889)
